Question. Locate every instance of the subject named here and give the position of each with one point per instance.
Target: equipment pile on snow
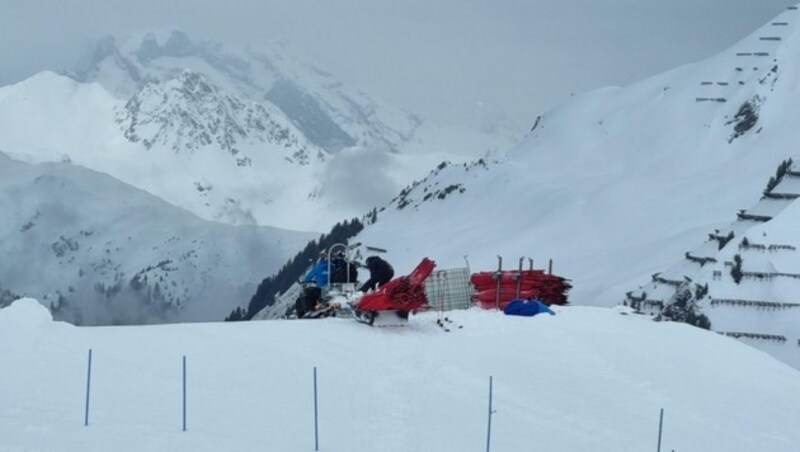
(393, 301)
(494, 290)
(406, 293)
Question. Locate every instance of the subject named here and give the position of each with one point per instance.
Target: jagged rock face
(309, 116)
(177, 45)
(319, 106)
(431, 188)
(188, 113)
(746, 117)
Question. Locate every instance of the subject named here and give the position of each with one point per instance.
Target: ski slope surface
(586, 379)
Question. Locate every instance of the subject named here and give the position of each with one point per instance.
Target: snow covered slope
(101, 252)
(745, 279)
(182, 139)
(587, 379)
(614, 184)
(232, 135)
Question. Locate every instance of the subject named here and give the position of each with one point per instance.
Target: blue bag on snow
(527, 308)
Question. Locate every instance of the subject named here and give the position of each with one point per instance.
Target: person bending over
(380, 272)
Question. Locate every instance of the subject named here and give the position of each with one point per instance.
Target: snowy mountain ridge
(615, 184)
(312, 99)
(187, 113)
(232, 135)
(99, 252)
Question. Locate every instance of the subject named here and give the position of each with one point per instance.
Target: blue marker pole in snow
(316, 417)
(660, 425)
(489, 429)
(88, 387)
(184, 393)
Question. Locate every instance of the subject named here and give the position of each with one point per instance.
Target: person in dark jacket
(380, 272)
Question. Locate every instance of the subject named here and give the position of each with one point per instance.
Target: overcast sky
(472, 62)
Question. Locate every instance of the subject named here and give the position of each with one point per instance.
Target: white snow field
(586, 379)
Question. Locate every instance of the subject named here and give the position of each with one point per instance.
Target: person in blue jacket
(319, 274)
(317, 279)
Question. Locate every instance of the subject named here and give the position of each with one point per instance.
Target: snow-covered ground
(586, 379)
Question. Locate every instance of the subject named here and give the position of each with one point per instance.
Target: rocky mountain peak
(187, 113)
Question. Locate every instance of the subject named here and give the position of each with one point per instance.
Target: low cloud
(357, 180)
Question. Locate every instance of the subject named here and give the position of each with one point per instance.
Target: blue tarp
(527, 308)
(319, 273)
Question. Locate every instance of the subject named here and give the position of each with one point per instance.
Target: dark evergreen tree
(724, 240)
(700, 291)
(779, 173)
(736, 269)
(236, 315)
(683, 308)
(6, 297)
(296, 268)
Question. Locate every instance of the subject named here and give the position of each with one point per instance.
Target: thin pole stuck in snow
(489, 429)
(184, 393)
(499, 275)
(316, 416)
(660, 425)
(88, 388)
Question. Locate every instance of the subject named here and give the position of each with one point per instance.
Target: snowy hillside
(745, 278)
(586, 379)
(616, 184)
(232, 135)
(100, 252)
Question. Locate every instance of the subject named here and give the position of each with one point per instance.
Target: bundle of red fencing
(512, 284)
(406, 293)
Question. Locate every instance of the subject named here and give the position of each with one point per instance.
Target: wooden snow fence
(757, 304)
(767, 337)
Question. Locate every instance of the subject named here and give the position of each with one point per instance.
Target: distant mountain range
(99, 252)
(237, 137)
(232, 135)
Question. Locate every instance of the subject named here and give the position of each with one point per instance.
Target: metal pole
(660, 425)
(550, 267)
(316, 413)
(519, 276)
(184, 393)
(88, 388)
(499, 280)
(489, 428)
